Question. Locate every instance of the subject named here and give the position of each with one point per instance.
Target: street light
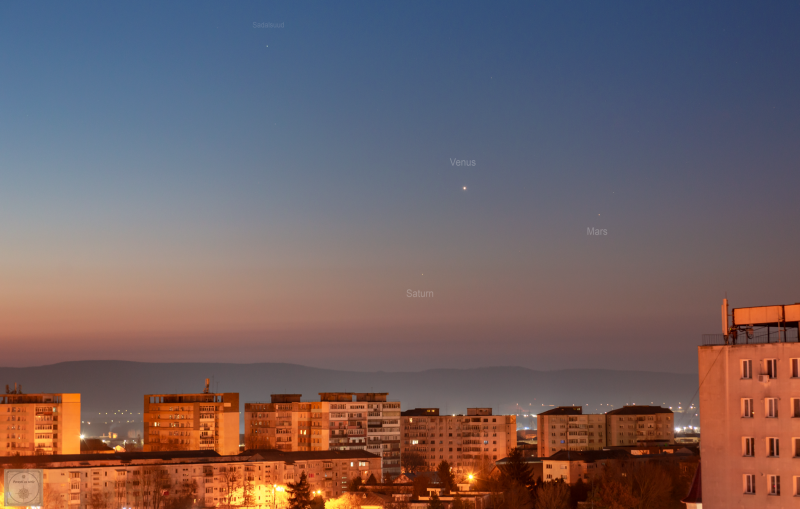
(275, 489)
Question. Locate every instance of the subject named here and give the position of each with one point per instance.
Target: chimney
(205, 391)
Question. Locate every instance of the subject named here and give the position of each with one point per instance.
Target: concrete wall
(723, 427)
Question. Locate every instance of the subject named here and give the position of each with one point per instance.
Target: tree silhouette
(413, 462)
(517, 469)
(553, 495)
(435, 503)
(356, 483)
(446, 476)
(299, 493)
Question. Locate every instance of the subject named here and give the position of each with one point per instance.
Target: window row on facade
(772, 408)
(769, 369)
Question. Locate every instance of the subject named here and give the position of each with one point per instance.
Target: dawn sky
(177, 184)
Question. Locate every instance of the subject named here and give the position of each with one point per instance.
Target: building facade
(255, 479)
(569, 429)
(383, 431)
(40, 424)
(469, 443)
(181, 422)
(630, 425)
(750, 410)
(284, 424)
(339, 421)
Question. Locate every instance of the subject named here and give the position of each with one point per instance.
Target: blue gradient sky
(177, 185)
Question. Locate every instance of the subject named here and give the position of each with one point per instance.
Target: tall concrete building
(750, 409)
(283, 424)
(383, 430)
(634, 424)
(568, 428)
(469, 443)
(40, 423)
(180, 422)
(336, 422)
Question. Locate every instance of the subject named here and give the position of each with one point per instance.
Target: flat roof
(564, 410)
(420, 412)
(123, 459)
(292, 456)
(117, 456)
(639, 410)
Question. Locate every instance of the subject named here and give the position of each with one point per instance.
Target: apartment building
(471, 442)
(750, 409)
(255, 479)
(383, 430)
(568, 428)
(39, 423)
(180, 422)
(284, 424)
(574, 466)
(630, 425)
(340, 421)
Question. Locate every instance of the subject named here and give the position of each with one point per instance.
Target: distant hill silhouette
(112, 385)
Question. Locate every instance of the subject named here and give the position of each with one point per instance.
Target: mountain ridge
(118, 384)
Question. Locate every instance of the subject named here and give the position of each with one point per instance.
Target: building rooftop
(205, 456)
(94, 445)
(39, 397)
(564, 410)
(588, 456)
(118, 457)
(292, 456)
(420, 412)
(527, 459)
(409, 477)
(639, 410)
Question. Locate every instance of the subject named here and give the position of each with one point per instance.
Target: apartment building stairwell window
(747, 408)
(748, 446)
(747, 369)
